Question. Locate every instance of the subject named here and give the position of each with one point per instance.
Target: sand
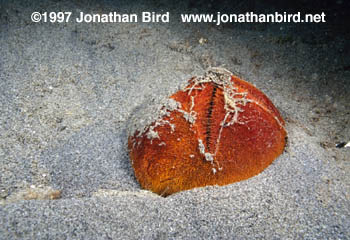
(68, 90)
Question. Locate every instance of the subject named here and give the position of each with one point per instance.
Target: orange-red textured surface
(224, 132)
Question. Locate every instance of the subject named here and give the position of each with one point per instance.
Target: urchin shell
(216, 131)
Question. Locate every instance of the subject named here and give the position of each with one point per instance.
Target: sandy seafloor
(68, 90)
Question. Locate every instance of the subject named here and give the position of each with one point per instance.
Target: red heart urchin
(216, 131)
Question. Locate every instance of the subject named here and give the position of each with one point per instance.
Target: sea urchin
(216, 131)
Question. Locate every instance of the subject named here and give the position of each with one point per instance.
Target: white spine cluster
(233, 102)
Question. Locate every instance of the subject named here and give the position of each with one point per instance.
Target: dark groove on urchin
(209, 116)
